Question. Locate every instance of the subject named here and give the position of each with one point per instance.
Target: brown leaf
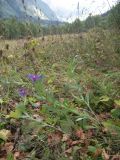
(75, 143)
(9, 147)
(80, 134)
(69, 142)
(68, 151)
(16, 155)
(65, 138)
(105, 155)
(3, 153)
(55, 138)
(90, 134)
(116, 157)
(98, 152)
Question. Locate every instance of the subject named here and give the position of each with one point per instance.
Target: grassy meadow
(60, 97)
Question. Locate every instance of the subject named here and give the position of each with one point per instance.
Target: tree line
(13, 28)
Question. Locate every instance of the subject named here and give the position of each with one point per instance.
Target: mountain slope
(26, 8)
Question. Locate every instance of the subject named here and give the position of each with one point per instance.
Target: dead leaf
(66, 137)
(80, 134)
(9, 147)
(75, 143)
(55, 138)
(90, 134)
(98, 152)
(3, 153)
(69, 142)
(68, 151)
(116, 157)
(105, 155)
(16, 155)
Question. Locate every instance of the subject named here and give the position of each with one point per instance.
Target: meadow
(60, 97)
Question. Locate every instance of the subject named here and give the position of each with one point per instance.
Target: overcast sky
(67, 9)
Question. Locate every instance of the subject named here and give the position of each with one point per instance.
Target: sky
(66, 10)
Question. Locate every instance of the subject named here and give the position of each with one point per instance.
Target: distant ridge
(27, 9)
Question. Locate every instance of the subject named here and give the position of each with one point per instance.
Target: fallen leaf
(16, 155)
(98, 152)
(116, 157)
(9, 147)
(55, 138)
(105, 155)
(65, 137)
(75, 143)
(69, 142)
(80, 134)
(68, 151)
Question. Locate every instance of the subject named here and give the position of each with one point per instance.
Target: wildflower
(22, 92)
(34, 77)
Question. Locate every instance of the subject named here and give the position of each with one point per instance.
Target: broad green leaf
(66, 126)
(117, 102)
(92, 149)
(20, 109)
(104, 99)
(17, 114)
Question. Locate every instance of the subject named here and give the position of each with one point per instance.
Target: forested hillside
(14, 28)
(23, 10)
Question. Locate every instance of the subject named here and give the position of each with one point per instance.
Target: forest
(60, 89)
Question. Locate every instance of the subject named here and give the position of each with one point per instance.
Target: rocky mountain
(23, 9)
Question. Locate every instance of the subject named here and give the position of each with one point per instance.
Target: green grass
(71, 112)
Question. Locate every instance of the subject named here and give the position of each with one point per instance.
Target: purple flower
(34, 77)
(22, 92)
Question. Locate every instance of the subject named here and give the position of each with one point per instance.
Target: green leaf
(92, 149)
(112, 125)
(20, 109)
(10, 156)
(17, 114)
(115, 113)
(1, 101)
(66, 125)
(104, 99)
(117, 102)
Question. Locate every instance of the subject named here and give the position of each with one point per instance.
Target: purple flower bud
(34, 77)
(22, 92)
